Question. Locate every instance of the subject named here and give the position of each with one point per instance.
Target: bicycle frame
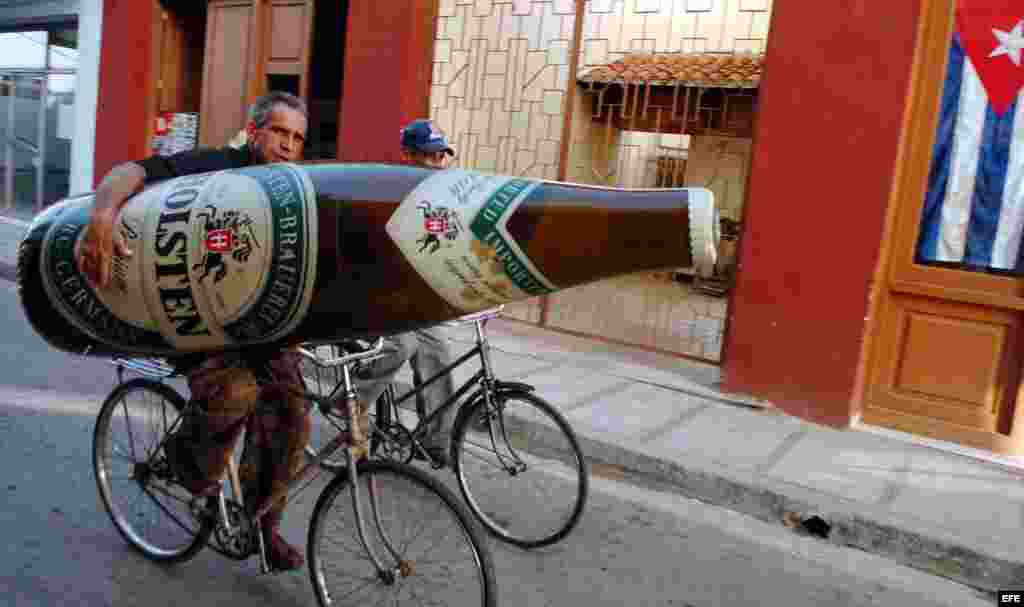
(484, 378)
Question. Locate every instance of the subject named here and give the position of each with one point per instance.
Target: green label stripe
(279, 301)
(77, 297)
(485, 226)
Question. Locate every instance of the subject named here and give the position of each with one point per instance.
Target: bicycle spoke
(446, 537)
(438, 584)
(482, 458)
(382, 599)
(342, 571)
(357, 552)
(370, 582)
(128, 425)
(122, 456)
(161, 506)
(423, 519)
(416, 597)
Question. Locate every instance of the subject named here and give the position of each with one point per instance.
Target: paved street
(633, 547)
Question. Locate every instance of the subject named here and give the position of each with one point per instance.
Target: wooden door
(249, 42)
(227, 70)
(945, 343)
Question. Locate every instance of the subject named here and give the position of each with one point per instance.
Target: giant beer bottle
(283, 253)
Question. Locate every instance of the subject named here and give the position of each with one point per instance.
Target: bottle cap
(704, 230)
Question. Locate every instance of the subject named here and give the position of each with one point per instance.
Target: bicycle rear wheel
(522, 452)
(149, 509)
(439, 555)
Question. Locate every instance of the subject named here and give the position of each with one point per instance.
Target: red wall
(829, 121)
(125, 83)
(388, 61)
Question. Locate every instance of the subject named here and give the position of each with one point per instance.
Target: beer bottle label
(218, 259)
(452, 228)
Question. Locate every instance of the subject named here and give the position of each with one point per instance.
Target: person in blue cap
(425, 145)
(422, 144)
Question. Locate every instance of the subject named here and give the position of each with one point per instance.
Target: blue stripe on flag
(990, 182)
(938, 178)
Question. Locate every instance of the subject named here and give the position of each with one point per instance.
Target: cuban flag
(974, 203)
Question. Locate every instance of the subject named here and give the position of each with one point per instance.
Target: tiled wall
(501, 73)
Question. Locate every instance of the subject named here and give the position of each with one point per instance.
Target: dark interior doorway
(326, 74)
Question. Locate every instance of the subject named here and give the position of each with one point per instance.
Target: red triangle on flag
(977, 20)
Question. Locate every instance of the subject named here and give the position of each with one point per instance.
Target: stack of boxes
(182, 133)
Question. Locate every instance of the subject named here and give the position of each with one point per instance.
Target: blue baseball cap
(422, 135)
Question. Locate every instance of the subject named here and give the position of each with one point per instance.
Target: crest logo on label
(220, 241)
(438, 222)
(232, 232)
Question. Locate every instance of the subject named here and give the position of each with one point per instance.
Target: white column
(83, 143)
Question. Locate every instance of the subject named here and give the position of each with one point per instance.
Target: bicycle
(502, 432)
(385, 499)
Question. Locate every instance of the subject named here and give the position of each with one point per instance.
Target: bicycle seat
(483, 315)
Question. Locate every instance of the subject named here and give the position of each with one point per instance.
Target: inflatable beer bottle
(315, 252)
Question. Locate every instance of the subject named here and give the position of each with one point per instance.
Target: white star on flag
(1010, 43)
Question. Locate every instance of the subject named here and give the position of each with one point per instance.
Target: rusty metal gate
(623, 93)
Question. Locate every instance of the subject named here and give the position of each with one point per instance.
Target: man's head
(277, 128)
(424, 144)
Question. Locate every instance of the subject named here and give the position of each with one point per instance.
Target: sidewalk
(660, 421)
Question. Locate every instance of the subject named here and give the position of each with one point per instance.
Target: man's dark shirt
(190, 162)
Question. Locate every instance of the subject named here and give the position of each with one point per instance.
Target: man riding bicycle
(422, 144)
(224, 385)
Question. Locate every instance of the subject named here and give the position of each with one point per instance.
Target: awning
(725, 70)
(19, 14)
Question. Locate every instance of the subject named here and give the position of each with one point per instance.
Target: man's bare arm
(95, 256)
(118, 186)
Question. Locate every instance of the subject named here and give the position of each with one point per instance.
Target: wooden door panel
(288, 21)
(289, 34)
(954, 359)
(949, 362)
(226, 71)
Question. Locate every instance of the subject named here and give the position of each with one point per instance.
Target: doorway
(617, 94)
(326, 74)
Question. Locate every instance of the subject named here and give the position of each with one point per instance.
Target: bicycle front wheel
(149, 509)
(520, 468)
(432, 551)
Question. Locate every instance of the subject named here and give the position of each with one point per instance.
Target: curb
(911, 543)
(847, 523)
